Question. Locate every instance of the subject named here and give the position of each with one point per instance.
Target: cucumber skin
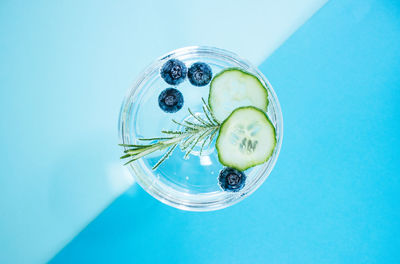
(242, 71)
(227, 164)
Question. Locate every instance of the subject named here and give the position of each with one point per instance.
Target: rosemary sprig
(199, 131)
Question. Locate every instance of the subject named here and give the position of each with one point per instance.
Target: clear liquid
(192, 183)
(195, 174)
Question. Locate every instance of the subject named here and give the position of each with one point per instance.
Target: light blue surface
(64, 69)
(334, 194)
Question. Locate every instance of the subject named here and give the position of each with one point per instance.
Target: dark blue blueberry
(231, 179)
(173, 72)
(170, 100)
(199, 74)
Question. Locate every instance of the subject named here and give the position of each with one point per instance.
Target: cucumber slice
(233, 88)
(246, 139)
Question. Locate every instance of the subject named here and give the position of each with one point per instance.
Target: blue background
(334, 194)
(333, 197)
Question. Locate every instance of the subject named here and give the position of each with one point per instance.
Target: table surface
(333, 196)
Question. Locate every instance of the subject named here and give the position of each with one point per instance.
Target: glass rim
(168, 195)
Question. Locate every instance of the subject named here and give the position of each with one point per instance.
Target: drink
(191, 182)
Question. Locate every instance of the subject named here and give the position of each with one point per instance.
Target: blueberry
(170, 100)
(173, 72)
(199, 74)
(231, 179)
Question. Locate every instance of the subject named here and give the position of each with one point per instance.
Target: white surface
(49, 198)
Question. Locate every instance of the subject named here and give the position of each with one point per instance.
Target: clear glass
(192, 183)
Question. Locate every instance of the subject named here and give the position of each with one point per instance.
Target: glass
(192, 183)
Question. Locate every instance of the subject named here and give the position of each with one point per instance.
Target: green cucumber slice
(246, 138)
(233, 88)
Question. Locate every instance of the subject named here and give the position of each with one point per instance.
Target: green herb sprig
(201, 130)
